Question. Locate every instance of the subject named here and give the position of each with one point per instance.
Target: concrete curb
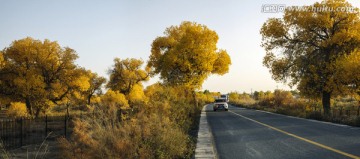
(205, 143)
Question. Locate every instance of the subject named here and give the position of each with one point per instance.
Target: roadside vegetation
(317, 52)
(122, 119)
(345, 109)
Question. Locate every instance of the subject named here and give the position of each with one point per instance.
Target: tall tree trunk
(29, 106)
(195, 99)
(358, 110)
(326, 96)
(67, 109)
(89, 99)
(37, 113)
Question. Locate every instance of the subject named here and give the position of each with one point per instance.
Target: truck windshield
(220, 100)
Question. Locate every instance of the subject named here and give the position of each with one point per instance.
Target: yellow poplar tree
(125, 74)
(187, 54)
(95, 84)
(349, 73)
(37, 73)
(303, 46)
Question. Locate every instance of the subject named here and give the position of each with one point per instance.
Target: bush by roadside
(344, 111)
(158, 128)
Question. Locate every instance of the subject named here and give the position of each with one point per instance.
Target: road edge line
(301, 138)
(306, 119)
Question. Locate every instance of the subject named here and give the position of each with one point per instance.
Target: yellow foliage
(115, 98)
(95, 100)
(2, 61)
(348, 71)
(282, 98)
(17, 110)
(187, 55)
(222, 63)
(95, 86)
(157, 130)
(125, 74)
(38, 71)
(82, 83)
(137, 94)
(302, 48)
(144, 136)
(241, 99)
(205, 98)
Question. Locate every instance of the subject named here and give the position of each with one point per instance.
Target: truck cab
(221, 104)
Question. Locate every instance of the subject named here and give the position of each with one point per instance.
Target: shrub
(143, 136)
(283, 98)
(241, 99)
(115, 99)
(204, 98)
(314, 115)
(17, 110)
(159, 130)
(356, 121)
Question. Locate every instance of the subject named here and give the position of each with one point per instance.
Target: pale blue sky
(101, 30)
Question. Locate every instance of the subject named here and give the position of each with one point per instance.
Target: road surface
(244, 133)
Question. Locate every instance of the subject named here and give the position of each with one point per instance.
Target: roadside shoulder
(311, 120)
(205, 142)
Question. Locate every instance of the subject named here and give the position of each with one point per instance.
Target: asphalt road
(244, 133)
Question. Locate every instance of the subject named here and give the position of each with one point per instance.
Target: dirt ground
(48, 150)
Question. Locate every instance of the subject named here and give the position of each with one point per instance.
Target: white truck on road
(225, 96)
(221, 103)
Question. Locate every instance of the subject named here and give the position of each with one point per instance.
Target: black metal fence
(18, 132)
(340, 111)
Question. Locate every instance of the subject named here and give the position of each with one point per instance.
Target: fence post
(13, 133)
(21, 132)
(46, 125)
(7, 132)
(65, 126)
(341, 109)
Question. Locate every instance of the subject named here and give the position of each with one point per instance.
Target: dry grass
(47, 149)
(157, 129)
(343, 111)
